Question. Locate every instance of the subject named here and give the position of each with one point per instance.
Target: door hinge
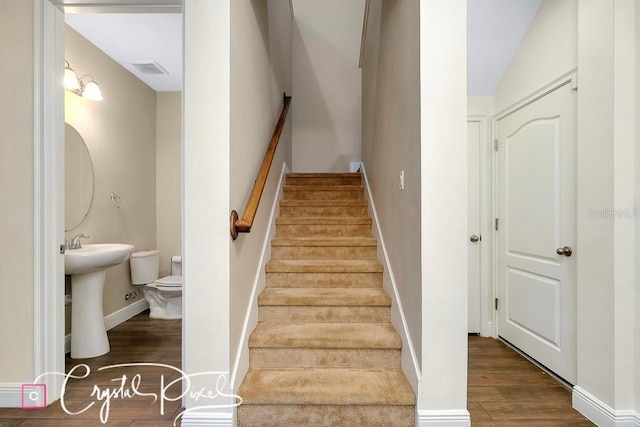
(495, 145)
(496, 224)
(496, 304)
(63, 249)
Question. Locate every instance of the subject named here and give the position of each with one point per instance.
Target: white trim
(207, 419)
(48, 122)
(600, 413)
(106, 6)
(486, 244)
(116, 318)
(10, 395)
(409, 363)
(570, 77)
(494, 235)
(452, 418)
(241, 363)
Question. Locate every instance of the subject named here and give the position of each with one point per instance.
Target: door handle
(565, 250)
(475, 238)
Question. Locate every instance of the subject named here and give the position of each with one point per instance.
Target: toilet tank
(145, 267)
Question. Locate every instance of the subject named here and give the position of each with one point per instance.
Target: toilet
(164, 295)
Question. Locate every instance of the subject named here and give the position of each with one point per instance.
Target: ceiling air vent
(149, 67)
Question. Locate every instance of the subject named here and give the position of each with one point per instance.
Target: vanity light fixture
(84, 86)
(70, 77)
(90, 89)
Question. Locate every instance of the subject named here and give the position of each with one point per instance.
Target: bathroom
(133, 137)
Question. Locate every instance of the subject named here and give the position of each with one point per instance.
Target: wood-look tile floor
(505, 389)
(139, 340)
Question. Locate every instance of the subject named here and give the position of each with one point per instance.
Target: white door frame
(48, 294)
(48, 120)
(486, 245)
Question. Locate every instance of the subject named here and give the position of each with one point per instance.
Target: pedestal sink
(87, 267)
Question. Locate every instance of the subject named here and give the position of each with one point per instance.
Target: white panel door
(536, 230)
(473, 135)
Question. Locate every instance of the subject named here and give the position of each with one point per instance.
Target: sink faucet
(74, 243)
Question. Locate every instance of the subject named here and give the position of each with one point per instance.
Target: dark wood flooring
(504, 388)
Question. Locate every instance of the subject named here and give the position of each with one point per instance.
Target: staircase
(324, 352)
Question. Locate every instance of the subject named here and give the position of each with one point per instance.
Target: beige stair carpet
(324, 352)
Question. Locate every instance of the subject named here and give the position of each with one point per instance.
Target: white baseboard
(114, 319)
(602, 414)
(10, 395)
(452, 418)
(409, 363)
(241, 363)
(124, 314)
(200, 419)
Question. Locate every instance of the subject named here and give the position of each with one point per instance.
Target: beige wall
(326, 84)
(168, 177)
(256, 103)
(547, 51)
(280, 23)
(391, 142)
(120, 132)
(16, 188)
(480, 106)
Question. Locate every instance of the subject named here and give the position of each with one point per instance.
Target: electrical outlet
(401, 184)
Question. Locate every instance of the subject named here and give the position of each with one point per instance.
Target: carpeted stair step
(332, 305)
(363, 358)
(324, 192)
(334, 227)
(331, 397)
(332, 345)
(324, 248)
(325, 335)
(324, 274)
(324, 179)
(322, 208)
(324, 297)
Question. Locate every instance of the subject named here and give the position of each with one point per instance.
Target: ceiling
(131, 38)
(495, 30)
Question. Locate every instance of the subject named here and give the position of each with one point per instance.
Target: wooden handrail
(244, 224)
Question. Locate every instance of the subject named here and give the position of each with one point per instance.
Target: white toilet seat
(169, 284)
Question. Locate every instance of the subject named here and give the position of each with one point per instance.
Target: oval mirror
(78, 178)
